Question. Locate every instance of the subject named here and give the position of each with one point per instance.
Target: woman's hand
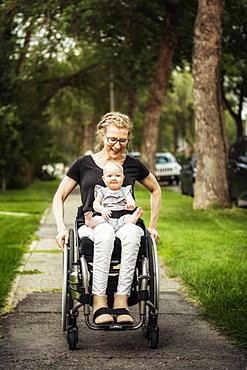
(62, 238)
(154, 233)
(152, 185)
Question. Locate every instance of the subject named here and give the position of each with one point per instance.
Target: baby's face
(113, 178)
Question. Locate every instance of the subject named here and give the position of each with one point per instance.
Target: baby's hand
(129, 207)
(106, 213)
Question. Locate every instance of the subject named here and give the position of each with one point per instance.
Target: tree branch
(65, 81)
(23, 53)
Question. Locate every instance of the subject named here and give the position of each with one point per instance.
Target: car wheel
(193, 189)
(182, 188)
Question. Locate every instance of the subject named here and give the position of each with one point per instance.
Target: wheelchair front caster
(153, 337)
(72, 338)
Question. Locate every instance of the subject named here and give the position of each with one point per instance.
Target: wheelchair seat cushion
(86, 247)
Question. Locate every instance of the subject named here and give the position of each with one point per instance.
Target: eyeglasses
(113, 141)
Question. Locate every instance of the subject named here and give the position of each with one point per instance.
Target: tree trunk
(88, 137)
(236, 116)
(175, 140)
(3, 184)
(239, 124)
(158, 87)
(132, 99)
(211, 143)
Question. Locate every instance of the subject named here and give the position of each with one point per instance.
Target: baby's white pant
(116, 223)
(103, 237)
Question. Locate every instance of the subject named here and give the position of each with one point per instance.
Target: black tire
(145, 325)
(65, 289)
(67, 301)
(193, 189)
(153, 338)
(72, 338)
(71, 249)
(70, 320)
(182, 188)
(153, 291)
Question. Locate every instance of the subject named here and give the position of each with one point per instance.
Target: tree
(178, 113)
(234, 60)
(211, 143)
(10, 148)
(133, 43)
(158, 87)
(31, 48)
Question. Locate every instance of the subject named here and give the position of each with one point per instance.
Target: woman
(114, 133)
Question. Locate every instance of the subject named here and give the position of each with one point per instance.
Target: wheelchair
(77, 283)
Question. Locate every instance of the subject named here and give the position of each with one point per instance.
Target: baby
(113, 197)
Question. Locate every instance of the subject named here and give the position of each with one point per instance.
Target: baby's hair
(112, 163)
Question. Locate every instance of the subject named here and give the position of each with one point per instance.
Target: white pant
(103, 237)
(116, 223)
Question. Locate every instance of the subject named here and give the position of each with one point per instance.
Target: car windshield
(165, 159)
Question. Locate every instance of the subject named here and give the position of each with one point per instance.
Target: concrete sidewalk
(33, 338)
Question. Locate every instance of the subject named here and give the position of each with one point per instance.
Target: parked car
(188, 176)
(166, 167)
(237, 169)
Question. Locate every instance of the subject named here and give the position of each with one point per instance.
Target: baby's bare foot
(136, 215)
(138, 212)
(88, 218)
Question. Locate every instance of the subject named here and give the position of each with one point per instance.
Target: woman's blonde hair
(112, 118)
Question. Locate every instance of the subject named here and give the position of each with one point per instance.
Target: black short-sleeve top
(87, 174)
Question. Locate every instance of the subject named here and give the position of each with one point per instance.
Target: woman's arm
(65, 188)
(152, 185)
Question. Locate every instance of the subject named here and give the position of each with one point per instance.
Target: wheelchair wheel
(67, 301)
(150, 327)
(153, 337)
(154, 271)
(71, 249)
(72, 338)
(65, 288)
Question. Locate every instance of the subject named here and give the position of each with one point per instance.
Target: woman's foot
(121, 303)
(100, 315)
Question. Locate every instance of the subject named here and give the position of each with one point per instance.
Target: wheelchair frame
(76, 290)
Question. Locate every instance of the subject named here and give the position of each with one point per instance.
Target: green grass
(208, 251)
(33, 199)
(17, 232)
